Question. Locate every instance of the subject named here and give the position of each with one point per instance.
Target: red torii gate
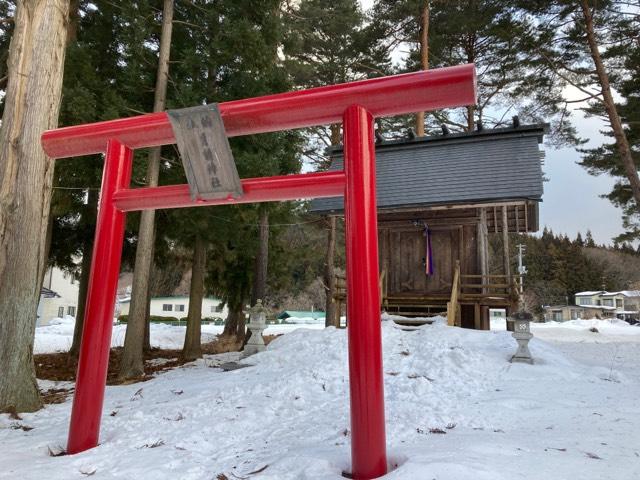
(355, 104)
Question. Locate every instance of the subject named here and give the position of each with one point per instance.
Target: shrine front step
(416, 313)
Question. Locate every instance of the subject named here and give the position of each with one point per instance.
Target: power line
(216, 217)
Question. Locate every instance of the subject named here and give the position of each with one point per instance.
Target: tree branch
(554, 67)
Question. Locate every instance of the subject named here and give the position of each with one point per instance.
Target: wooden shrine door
(407, 252)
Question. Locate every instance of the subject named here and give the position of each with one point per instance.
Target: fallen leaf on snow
(137, 395)
(19, 426)
(157, 443)
(437, 430)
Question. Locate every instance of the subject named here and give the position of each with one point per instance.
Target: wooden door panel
(407, 253)
(442, 252)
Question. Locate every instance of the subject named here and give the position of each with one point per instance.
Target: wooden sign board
(206, 155)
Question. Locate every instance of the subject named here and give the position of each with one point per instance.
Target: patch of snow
(571, 415)
(66, 320)
(305, 320)
(59, 337)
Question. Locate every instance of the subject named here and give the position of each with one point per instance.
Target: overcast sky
(571, 200)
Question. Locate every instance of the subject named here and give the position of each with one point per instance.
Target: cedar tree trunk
(32, 102)
(132, 365)
(241, 330)
(262, 258)
(192, 340)
(146, 345)
(235, 322)
(83, 288)
(332, 317)
(335, 134)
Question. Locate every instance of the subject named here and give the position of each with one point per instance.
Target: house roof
(490, 165)
(47, 293)
(301, 314)
(626, 293)
(599, 307)
(604, 293)
(593, 307)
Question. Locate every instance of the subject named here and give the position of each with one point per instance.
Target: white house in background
(562, 313)
(624, 304)
(590, 298)
(58, 297)
(177, 306)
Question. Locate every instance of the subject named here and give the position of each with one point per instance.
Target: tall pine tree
(491, 34)
(586, 44)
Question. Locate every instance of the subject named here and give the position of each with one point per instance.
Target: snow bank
(305, 320)
(286, 416)
(587, 331)
(58, 336)
(429, 369)
(606, 327)
(573, 330)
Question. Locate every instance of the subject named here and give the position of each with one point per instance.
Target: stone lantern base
(255, 343)
(522, 333)
(257, 324)
(522, 355)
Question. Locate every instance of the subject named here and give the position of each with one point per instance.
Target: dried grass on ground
(62, 366)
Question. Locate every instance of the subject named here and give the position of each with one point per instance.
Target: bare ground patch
(62, 367)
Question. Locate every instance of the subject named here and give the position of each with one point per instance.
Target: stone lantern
(522, 333)
(257, 324)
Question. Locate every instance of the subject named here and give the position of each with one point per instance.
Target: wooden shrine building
(461, 187)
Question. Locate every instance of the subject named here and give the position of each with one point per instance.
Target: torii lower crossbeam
(356, 105)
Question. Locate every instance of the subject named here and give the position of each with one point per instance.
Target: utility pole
(522, 270)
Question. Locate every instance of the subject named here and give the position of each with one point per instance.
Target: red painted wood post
(368, 444)
(98, 321)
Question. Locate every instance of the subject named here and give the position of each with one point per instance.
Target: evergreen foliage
(228, 51)
(561, 31)
(624, 56)
(327, 43)
(236, 49)
(491, 34)
(558, 268)
(222, 51)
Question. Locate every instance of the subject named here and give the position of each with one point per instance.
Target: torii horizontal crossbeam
(382, 97)
(255, 190)
(355, 105)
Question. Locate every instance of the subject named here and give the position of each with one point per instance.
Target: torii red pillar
(103, 284)
(356, 104)
(368, 449)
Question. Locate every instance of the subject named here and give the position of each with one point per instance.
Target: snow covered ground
(574, 414)
(58, 337)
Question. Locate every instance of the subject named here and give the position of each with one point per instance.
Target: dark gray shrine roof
(477, 167)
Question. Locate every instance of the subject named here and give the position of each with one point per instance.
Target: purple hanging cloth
(428, 257)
